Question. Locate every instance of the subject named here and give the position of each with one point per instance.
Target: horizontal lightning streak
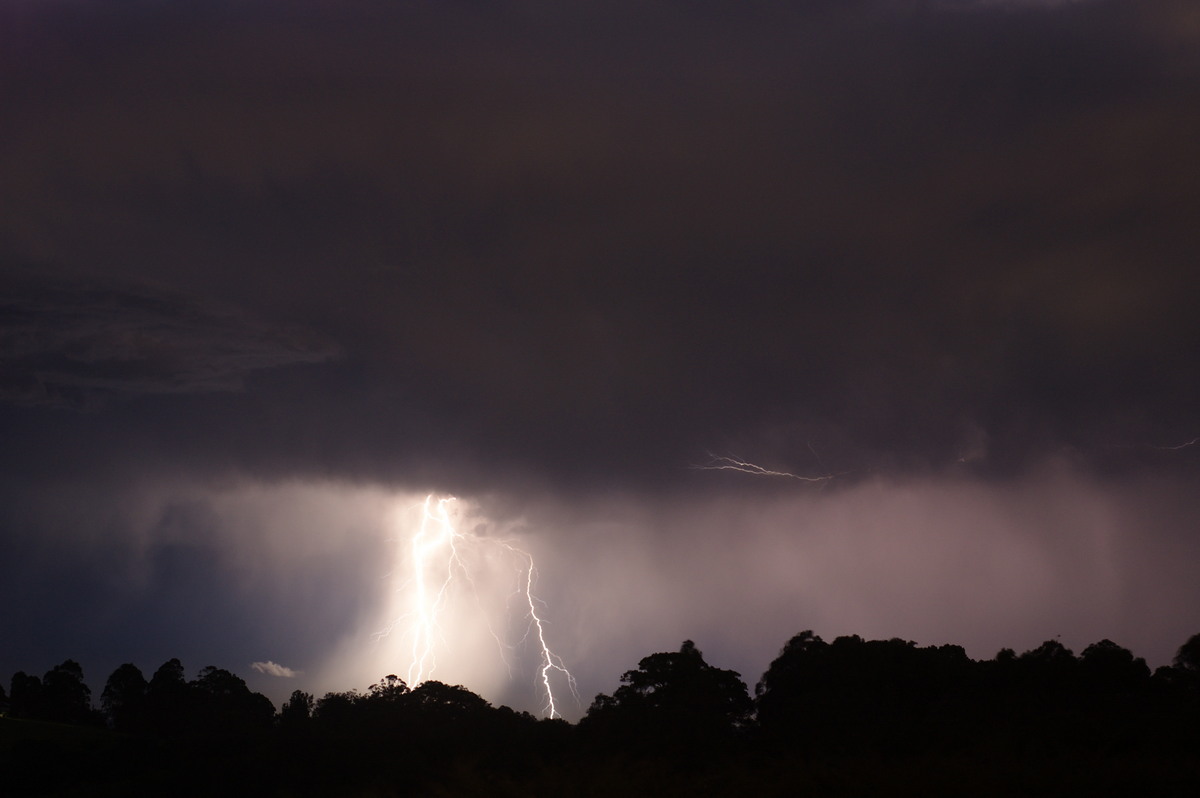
(720, 463)
(1177, 447)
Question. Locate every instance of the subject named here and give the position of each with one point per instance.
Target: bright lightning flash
(440, 558)
(719, 463)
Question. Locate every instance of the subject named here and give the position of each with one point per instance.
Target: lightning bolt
(1174, 448)
(440, 536)
(720, 463)
(1177, 447)
(549, 662)
(435, 565)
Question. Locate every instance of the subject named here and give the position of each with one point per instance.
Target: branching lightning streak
(720, 463)
(434, 564)
(548, 660)
(1177, 447)
(1174, 448)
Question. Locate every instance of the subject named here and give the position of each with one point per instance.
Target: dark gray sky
(270, 271)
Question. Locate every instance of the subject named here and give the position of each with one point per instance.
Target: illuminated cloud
(274, 669)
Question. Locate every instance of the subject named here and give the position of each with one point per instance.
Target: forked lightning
(435, 566)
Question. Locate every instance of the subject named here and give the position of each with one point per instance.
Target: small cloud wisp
(274, 669)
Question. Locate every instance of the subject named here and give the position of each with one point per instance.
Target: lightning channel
(436, 565)
(1178, 446)
(722, 463)
(547, 661)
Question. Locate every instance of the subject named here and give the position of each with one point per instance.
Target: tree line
(836, 716)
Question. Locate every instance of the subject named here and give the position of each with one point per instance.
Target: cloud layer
(582, 243)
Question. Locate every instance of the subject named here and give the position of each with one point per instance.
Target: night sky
(272, 272)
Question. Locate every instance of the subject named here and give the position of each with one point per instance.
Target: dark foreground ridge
(851, 717)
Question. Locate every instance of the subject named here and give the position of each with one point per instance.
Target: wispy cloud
(274, 669)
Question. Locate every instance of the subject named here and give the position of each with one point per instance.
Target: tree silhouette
(124, 698)
(1187, 658)
(25, 696)
(782, 695)
(169, 675)
(335, 713)
(673, 700)
(850, 717)
(455, 699)
(853, 693)
(296, 712)
(390, 690)
(1047, 673)
(226, 705)
(1108, 668)
(66, 698)
(445, 715)
(169, 707)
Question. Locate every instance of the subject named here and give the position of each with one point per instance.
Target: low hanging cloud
(275, 669)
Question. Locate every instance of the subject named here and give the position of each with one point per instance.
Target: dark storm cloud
(612, 237)
(68, 344)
